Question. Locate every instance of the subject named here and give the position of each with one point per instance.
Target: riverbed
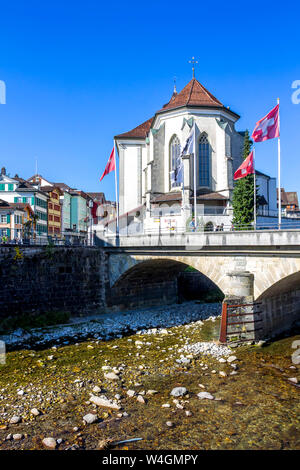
(249, 396)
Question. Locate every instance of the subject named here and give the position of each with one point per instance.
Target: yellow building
(54, 210)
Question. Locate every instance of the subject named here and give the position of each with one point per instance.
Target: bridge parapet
(198, 240)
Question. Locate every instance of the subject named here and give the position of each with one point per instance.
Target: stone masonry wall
(74, 280)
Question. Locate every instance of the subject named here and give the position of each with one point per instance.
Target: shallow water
(258, 407)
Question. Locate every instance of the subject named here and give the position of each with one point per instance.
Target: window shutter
(32, 200)
(15, 199)
(8, 218)
(8, 232)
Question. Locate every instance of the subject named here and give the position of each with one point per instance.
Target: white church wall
(130, 178)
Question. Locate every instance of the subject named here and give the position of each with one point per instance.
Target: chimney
(3, 171)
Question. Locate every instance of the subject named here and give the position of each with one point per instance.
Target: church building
(149, 156)
(156, 167)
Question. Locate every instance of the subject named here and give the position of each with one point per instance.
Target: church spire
(193, 62)
(175, 91)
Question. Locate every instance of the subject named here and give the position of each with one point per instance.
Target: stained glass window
(204, 161)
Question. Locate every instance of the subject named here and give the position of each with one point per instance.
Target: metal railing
(17, 238)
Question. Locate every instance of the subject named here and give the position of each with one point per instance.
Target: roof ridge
(191, 90)
(210, 95)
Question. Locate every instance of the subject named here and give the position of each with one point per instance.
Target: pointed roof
(193, 94)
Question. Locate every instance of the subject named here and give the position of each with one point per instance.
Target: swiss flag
(110, 165)
(268, 127)
(246, 168)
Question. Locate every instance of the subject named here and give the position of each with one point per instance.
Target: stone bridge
(258, 273)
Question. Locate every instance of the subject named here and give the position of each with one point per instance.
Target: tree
(243, 200)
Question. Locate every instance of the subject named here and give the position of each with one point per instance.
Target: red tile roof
(173, 196)
(292, 198)
(193, 94)
(139, 132)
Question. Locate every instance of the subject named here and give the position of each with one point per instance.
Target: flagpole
(279, 171)
(195, 180)
(254, 195)
(116, 189)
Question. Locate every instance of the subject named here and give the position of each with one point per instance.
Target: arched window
(204, 161)
(174, 161)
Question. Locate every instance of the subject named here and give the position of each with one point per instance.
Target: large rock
(104, 402)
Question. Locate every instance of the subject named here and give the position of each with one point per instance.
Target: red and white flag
(110, 165)
(268, 127)
(246, 168)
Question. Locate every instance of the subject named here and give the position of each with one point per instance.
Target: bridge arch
(158, 280)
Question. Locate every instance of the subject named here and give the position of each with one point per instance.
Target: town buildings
(18, 190)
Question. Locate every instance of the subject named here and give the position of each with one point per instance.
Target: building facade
(18, 190)
(54, 211)
(14, 218)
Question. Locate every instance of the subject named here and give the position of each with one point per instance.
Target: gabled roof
(292, 197)
(193, 94)
(49, 189)
(139, 132)
(21, 206)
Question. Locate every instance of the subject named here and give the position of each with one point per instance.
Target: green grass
(30, 320)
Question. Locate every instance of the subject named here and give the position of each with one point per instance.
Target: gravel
(206, 348)
(106, 326)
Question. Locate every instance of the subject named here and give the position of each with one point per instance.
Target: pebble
(111, 376)
(17, 437)
(90, 418)
(170, 424)
(34, 412)
(15, 419)
(222, 373)
(49, 442)
(188, 413)
(293, 380)
(151, 392)
(166, 405)
(141, 399)
(104, 402)
(179, 391)
(96, 389)
(203, 395)
(231, 359)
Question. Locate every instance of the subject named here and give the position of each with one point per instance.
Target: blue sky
(78, 73)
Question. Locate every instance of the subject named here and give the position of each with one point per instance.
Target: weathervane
(194, 62)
